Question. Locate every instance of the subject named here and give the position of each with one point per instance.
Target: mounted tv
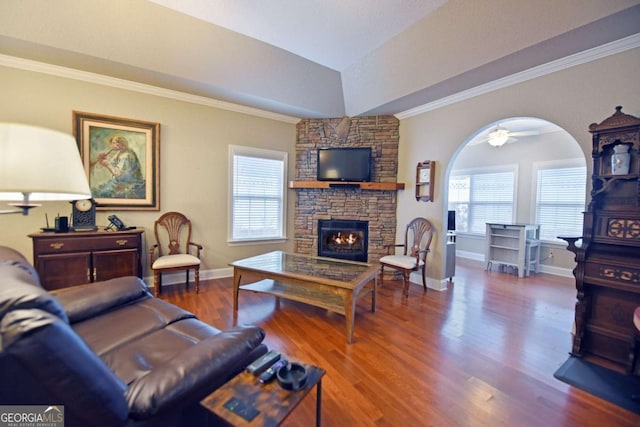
(344, 164)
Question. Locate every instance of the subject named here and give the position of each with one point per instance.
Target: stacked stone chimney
(381, 133)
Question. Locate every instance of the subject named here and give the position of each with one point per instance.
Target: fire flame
(349, 240)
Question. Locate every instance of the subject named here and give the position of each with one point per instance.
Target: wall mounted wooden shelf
(388, 186)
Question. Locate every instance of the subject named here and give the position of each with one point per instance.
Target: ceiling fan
(499, 136)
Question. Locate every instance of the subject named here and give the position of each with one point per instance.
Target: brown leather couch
(111, 353)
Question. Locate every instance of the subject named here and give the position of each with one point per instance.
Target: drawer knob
(56, 245)
(121, 242)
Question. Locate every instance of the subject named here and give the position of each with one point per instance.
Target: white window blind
(560, 201)
(257, 194)
(479, 197)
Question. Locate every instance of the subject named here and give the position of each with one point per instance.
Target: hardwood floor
(481, 353)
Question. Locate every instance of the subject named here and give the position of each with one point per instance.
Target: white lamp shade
(43, 163)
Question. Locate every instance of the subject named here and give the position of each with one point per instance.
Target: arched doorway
(534, 155)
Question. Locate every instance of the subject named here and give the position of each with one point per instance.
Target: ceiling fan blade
(525, 133)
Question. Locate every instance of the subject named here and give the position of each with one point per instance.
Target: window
(560, 198)
(479, 196)
(257, 193)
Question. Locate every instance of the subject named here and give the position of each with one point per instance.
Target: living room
(196, 131)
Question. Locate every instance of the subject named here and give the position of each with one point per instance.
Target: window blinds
(257, 198)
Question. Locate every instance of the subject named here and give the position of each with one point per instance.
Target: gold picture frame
(121, 158)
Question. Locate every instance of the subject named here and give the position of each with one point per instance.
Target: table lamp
(37, 165)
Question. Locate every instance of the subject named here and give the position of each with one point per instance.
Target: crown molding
(88, 77)
(588, 55)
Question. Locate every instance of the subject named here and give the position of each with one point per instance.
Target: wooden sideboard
(68, 259)
(608, 253)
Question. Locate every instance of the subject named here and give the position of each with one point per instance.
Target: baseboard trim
(547, 269)
(170, 279)
(437, 285)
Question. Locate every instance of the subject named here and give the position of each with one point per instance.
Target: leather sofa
(110, 352)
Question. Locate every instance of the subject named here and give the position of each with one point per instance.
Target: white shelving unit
(516, 245)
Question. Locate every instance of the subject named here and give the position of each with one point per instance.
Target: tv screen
(344, 164)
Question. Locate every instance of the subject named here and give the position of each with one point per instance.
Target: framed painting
(121, 158)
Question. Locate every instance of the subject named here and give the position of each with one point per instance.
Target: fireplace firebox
(343, 239)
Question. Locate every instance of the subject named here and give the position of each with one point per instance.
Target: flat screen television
(344, 164)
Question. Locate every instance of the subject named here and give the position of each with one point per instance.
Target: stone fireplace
(343, 239)
(377, 207)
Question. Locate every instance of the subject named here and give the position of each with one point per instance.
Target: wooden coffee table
(328, 283)
(272, 402)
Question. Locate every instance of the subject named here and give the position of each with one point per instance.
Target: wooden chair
(417, 239)
(172, 250)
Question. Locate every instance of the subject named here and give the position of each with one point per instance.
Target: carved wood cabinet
(608, 254)
(68, 259)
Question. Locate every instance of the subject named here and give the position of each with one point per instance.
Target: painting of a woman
(122, 160)
(121, 170)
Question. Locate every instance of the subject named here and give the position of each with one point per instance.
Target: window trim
(283, 156)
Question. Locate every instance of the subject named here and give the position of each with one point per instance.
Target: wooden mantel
(388, 186)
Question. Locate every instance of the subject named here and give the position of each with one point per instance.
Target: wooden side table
(272, 401)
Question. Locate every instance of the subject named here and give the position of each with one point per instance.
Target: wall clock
(84, 215)
(424, 180)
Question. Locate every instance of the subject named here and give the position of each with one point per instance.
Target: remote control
(270, 373)
(260, 365)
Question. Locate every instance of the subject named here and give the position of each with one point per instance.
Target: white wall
(193, 156)
(573, 99)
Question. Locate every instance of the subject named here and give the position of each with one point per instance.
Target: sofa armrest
(64, 367)
(201, 368)
(84, 301)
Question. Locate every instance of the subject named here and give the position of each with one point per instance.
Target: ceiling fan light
(498, 137)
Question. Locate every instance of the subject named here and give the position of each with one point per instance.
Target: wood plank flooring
(481, 353)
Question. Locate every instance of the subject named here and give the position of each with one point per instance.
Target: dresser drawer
(63, 244)
(614, 269)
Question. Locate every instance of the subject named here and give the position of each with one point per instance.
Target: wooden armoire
(608, 253)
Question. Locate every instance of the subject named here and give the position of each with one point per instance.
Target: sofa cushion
(128, 323)
(89, 300)
(138, 357)
(13, 257)
(64, 366)
(19, 290)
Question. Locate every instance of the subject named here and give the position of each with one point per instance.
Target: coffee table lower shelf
(308, 295)
(272, 401)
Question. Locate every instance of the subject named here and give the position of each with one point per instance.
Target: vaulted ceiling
(315, 58)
